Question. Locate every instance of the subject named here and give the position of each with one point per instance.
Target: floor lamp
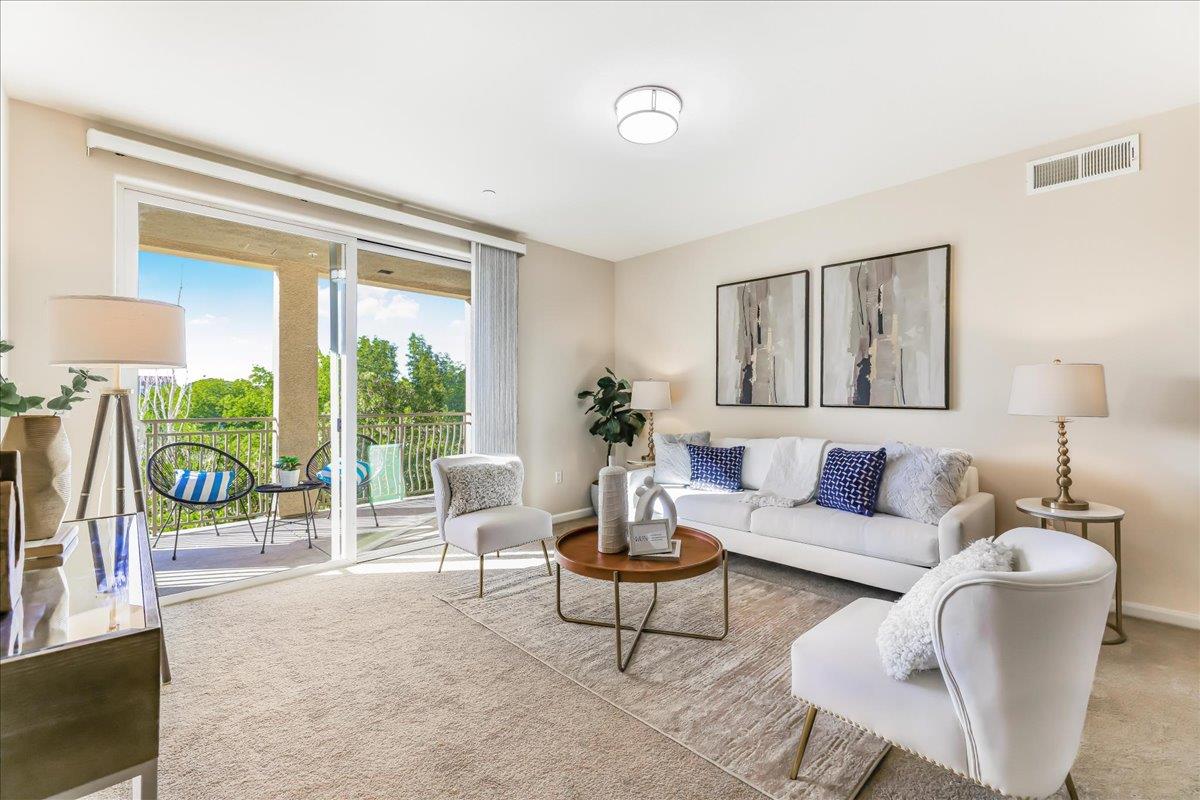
(118, 332)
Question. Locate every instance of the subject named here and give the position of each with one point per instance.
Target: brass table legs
(1117, 626)
(618, 626)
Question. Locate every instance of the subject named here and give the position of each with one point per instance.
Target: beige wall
(565, 340)
(63, 243)
(1106, 272)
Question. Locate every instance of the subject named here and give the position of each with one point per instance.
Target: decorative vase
(613, 528)
(287, 478)
(45, 470)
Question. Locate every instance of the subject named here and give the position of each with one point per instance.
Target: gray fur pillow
(672, 464)
(920, 483)
(474, 487)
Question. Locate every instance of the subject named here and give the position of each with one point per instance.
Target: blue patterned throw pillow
(718, 468)
(850, 480)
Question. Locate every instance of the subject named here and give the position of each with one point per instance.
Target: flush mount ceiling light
(648, 114)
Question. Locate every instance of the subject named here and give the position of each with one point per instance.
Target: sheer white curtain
(493, 379)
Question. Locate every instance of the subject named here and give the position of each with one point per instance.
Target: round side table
(310, 508)
(1095, 512)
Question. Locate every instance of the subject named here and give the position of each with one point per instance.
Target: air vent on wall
(1093, 163)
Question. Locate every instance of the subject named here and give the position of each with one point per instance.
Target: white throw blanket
(794, 472)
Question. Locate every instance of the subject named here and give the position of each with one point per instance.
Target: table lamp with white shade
(117, 332)
(1060, 391)
(651, 396)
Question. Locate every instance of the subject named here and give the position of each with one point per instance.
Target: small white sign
(653, 536)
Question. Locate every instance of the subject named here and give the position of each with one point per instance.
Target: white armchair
(492, 529)
(1017, 653)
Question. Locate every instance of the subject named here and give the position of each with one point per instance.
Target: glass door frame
(129, 196)
(463, 262)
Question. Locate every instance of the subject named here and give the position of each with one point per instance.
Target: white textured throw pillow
(474, 487)
(672, 464)
(763, 499)
(920, 483)
(905, 638)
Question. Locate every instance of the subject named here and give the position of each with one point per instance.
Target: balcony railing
(406, 443)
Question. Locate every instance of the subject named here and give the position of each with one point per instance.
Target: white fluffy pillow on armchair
(474, 487)
(905, 637)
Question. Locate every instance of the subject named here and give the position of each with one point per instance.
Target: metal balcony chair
(324, 458)
(162, 473)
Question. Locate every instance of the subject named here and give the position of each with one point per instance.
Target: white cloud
(385, 304)
(206, 319)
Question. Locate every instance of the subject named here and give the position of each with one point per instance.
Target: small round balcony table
(700, 553)
(1094, 513)
(274, 490)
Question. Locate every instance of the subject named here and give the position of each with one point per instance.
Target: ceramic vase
(45, 470)
(613, 528)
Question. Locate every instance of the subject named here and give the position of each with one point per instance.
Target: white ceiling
(786, 106)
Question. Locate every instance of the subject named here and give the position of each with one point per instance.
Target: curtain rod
(100, 140)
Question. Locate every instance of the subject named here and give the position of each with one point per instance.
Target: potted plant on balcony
(615, 422)
(287, 471)
(42, 443)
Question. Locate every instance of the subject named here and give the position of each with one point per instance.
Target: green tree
(434, 381)
(378, 389)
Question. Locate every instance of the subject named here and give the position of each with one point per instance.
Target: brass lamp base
(1064, 501)
(1065, 505)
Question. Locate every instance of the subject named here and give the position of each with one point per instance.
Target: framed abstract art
(885, 331)
(762, 341)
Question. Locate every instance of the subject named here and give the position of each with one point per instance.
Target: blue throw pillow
(361, 471)
(850, 480)
(718, 468)
(199, 486)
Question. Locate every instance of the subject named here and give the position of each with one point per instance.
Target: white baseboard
(578, 513)
(1168, 615)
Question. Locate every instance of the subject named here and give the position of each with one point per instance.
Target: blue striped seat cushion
(199, 486)
(362, 471)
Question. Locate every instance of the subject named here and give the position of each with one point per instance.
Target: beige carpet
(727, 701)
(361, 684)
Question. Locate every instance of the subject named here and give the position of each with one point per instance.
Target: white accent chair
(1017, 653)
(492, 529)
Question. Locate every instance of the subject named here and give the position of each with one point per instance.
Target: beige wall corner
(1106, 271)
(565, 340)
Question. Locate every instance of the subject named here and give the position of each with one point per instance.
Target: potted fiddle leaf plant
(287, 471)
(613, 421)
(42, 443)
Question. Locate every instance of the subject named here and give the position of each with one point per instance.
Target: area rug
(727, 701)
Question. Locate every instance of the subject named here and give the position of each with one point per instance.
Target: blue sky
(230, 313)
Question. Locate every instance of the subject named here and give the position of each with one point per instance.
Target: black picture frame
(945, 405)
(807, 339)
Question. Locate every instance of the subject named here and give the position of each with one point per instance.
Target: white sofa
(882, 550)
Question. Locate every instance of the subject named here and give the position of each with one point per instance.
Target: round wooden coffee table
(699, 553)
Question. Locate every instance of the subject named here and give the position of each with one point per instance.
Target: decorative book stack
(52, 552)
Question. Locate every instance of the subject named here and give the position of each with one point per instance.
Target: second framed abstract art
(762, 341)
(885, 331)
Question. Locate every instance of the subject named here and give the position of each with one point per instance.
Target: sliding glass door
(310, 352)
(412, 313)
(264, 392)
